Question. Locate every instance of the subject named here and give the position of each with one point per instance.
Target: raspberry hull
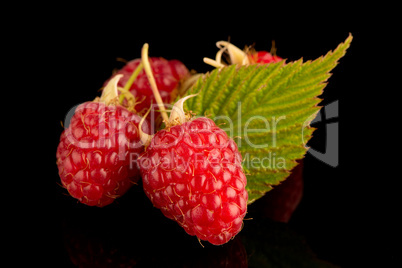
(193, 173)
(95, 151)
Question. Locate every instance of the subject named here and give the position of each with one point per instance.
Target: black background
(346, 216)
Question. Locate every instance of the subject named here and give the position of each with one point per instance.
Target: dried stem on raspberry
(217, 63)
(151, 79)
(214, 63)
(273, 48)
(145, 138)
(178, 116)
(236, 55)
(110, 92)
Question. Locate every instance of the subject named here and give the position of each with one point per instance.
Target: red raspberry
(96, 150)
(168, 76)
(193, 173)
(264, 57)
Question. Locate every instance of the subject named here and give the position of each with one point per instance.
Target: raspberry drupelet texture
(96, 150)
(168, 76)
(193, 173)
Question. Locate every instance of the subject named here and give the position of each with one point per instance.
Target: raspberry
(264, 57)
(193, 173)
(95, 151)
(168, 76)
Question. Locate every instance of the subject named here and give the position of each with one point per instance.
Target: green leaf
(270, 108)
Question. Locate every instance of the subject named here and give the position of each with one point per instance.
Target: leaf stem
(148, 71)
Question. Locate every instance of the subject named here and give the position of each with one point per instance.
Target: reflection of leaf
(270, 108)
(273, 244)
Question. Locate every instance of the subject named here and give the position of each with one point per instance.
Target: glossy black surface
(344, 219)
(136, 235)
